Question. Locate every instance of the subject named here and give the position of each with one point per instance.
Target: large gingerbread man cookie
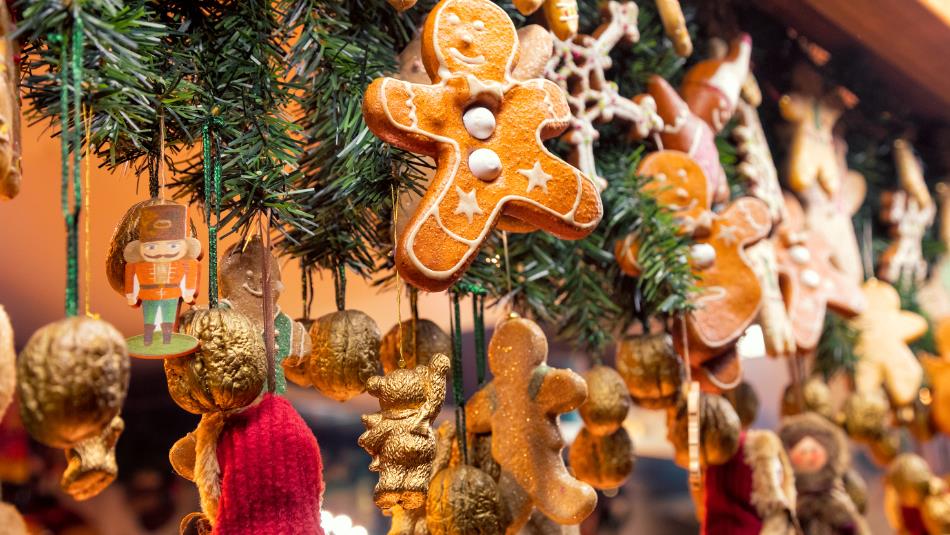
(520, 406)
(485, 130)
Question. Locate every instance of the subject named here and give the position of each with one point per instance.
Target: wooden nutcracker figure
(162, 270)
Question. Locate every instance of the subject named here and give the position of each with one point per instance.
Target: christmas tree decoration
(674, 23)
(560, 15)
(161, 270)
(652, 370)
(820, 457)
(520, 406)
(579, 67)
(345, 355)
(915, 500)
(227, 372)
(910, 212)
(402, 5)
(536, 187)
(938, 373)
(746, 403)
(400, 437)
(756, 166)
(754, 491)
(711, 87)
(463, 500)
(777, 331)
(72, 378)
(884, 358)
(815, 397)
(719, 429)
(10, 166)
(934, 294)
(602, 453)
(242, 288)
(414, 343)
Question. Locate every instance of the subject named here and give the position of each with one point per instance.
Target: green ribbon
(339, 286)
(458, 380)
(212, 192)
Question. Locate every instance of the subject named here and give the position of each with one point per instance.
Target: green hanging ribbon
(458, 380)
(212, 192)
(339, 286)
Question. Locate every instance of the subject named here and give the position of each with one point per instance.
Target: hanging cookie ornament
(938, 373)
(560, 15)
(910, 212)
(579, 67)
(652, 370)
(520, 407)
(916, 502)
(468, 48)
(10, 164)
(415, 342)
(777, 331)
(402, 5)
(674, 24)
(602, 453)
(756, 165)
(400, 437)
(934, 295)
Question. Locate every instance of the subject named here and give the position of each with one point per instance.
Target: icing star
(468, 204)
(536, 177)
(728, 234)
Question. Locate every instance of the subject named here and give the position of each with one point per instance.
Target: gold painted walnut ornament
(719, 429)
(463, 500)
(418, 347)
(73, 379)
(345, 355)
(654, 373)
(229, 369)
(400, 437)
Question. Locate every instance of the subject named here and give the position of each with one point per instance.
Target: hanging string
(693, 423)
(400, 328)
(306, 288)
(504, 242)
(153, 176)
(867, 249)
(478, 294)
(71, 143)
(458, 381)
(212, 192)
(339, 286)
(87, 215)
(268, 291)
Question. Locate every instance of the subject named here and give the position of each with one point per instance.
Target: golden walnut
(229, 369)
(429, 340)
(126, 232)
(603, 461)
(345, 353)
(73, 379)
(745, 401)
(608, 401)
(719, 431)
(463, 500)
(865, 415)
(654, 373)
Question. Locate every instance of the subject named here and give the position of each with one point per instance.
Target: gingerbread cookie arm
(391, 111)
(528, 7)
(752, 218)
(674, 24)
(560, 390)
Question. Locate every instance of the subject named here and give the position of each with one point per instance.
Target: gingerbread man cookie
(561, 15)
(811, 283)
(521, 405)
(711, 87)
(938, 371)
(469, 120)
(579, 66)
(910, 212)
(884, 330)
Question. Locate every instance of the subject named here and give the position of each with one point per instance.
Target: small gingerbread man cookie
(469, 121)
(520, 406)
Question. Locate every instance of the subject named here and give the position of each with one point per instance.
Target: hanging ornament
(520, 406)
(777, 331)
(910, 212)
(816, 397)
(473, 187)
(719, 431)
(938, 371)
(602, 453)
(916, 502)
(579, 67)
(934, 295)
(463, 500)
(652, 370)
(402, 5)
(73, 376)
(746, 403)
(10, 150)
(674, 24)
(820, 457)
(242, 288)
(756, 165)
(161, 270)
(561, 15)
(418, 346)
(399, 437)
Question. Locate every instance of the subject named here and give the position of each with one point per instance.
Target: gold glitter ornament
(936, 513)
(73, 376)
(345, 354)
(910, 477)
(7, 362)
(229, 369)
(603, 461)
(463, 500)
(400, 437)
(652, 370)
(608, 401)
(417, 348)
(865, 415)
(817, 398)
(719, 431)
(126, 232)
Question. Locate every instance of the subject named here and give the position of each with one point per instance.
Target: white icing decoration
(468, 60)
(468, 204)
(728, 234)
(484, 164)
(478, 25)
(536, 177)
(730, 75)
(479, 122)
(703, 255)
(800, 254)
(452, 18)
(811, 278)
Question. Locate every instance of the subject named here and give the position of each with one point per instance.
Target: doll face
(164, 251)
(808, 456)
(473, 37)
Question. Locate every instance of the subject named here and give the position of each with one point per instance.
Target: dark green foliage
(835, 351)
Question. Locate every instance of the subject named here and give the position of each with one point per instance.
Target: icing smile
(468, 60)
(255, 293)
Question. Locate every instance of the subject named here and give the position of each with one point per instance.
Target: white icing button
(800, 254)
(681, 173)
(484, 164)
(453, 18)
(703, 255)
(811, 278)
(480, 122)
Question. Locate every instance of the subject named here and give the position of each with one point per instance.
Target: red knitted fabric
(729, 509)
(271, 473)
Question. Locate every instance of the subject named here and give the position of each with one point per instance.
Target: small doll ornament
(415, 342)
(400, 437)
(916, 502)
(73, 376)
(520, 406)
(820, 458)
(162, 270)
(468, 49)
(652, 370)
(240, 279)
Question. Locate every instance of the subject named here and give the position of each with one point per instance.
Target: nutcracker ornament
(162, 270)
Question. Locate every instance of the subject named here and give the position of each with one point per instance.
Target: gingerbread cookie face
(468, 121)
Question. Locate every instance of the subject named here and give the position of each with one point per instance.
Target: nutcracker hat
(166, 221)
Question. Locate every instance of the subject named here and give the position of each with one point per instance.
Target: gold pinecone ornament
(229, 369)
(719, 431)
(652, 370)
(602, 453)
(73, 379)
(463, 500)
(418, 347)
(345, 355)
